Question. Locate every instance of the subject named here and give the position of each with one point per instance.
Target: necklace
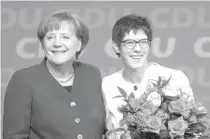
(66, 80)
(59, 80)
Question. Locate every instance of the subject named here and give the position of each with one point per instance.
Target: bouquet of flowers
(163, 113)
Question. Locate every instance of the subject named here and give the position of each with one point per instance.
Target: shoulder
(22, 80)
(87, 71)
(110, 83)
(178, 77)
(85, 66)
(112, 79)
(26, 73)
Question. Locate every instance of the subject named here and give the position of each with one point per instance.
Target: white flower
(155, 98)
(187, 93)
(171, 92)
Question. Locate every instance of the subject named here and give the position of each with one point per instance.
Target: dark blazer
(38, 107)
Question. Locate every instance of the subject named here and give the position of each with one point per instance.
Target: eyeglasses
(130, 44)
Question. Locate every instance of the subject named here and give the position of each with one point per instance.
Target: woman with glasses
(132, 37)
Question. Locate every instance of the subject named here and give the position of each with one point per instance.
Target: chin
(58, 62)
(137, 66)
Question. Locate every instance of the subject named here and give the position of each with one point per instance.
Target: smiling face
(60, 45)
(136, 57)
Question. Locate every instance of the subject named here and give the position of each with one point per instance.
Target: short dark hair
(130, 22)
(54, 20)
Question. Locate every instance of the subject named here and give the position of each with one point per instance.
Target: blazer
(38, 107)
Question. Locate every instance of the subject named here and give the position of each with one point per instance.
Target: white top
(111, 82)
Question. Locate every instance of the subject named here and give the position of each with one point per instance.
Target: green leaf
(201, 115)
(122, 123)
(123, 110)
(117, 97)
(118, 130)
(155, 85)
(165, 83)
(110, 132)
(126, 100)
(204, 137)
(110, 113)
(123, 93)
(197, 128)
(131, 96)
(122, 136)
(159, 81)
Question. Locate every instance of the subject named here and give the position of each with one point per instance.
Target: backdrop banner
(181, 36)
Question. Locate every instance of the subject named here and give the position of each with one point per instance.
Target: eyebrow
(65, 33)
(135, 40)
(50, 33)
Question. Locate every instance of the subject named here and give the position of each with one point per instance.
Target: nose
(57, 42)
(137, 47)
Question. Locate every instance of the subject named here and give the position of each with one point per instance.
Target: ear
(79, 45)
(116, 48)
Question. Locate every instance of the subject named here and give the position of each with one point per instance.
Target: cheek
(125, 53)
(146, 51)
(45, 49)
(78, 46)
(146, 54)
(73, 46)
(47, 45)
(124, 57)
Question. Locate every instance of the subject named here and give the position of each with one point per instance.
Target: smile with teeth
(136, 56)
(58, 52)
